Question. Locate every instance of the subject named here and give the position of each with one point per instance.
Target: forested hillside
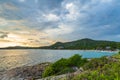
(86, 44)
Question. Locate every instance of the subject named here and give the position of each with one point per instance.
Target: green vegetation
(86, 44)
(64, 66)
(96, 63)
(107, 72)
(104, 68)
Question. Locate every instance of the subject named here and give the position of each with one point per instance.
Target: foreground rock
(67, 76)
(24, 73)
(34, 73)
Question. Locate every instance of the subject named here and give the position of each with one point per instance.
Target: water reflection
(15, 58)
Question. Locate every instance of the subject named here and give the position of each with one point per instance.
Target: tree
(76, 60)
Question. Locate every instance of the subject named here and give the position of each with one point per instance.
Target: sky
(43, 22)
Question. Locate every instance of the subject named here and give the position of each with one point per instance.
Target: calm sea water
(16, 58)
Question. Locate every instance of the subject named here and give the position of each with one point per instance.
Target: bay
(26, 57)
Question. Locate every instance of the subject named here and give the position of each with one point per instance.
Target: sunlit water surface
(16, 58)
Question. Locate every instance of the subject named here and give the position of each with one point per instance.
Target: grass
(110, 69)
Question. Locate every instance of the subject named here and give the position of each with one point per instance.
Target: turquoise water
(16, 58)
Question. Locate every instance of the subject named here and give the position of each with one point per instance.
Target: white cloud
(51, 17)
(73, 11)
(10, 24)
(61, 30)
(3, 22)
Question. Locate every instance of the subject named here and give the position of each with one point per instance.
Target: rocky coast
(25, 72)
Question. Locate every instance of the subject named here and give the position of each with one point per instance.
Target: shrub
(107, 72)
(56, 68)
(76, 60)
(96, 63)
(48, 71)
(66, 70)
(64, 65)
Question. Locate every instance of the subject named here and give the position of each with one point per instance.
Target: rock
(25, 73)
(67, 76)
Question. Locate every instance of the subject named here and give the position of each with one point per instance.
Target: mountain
(83, 44)
(86, 44)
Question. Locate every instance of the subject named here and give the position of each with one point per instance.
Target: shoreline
(59, 49)
(24, 72)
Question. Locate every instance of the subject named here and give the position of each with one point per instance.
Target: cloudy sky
(44, 22)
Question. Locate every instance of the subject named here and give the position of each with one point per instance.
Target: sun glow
(7, 44)
(24, 38)
(15, 38)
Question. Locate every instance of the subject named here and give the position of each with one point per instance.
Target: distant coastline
(82, 44)
(29, 48)
(15, 48)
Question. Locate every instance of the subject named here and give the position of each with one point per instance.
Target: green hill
(83, 44)
(86, 44)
